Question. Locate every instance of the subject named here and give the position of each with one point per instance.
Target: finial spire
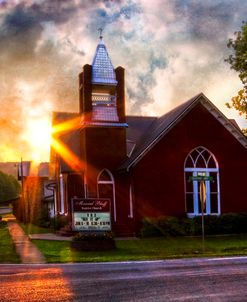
(100, 30)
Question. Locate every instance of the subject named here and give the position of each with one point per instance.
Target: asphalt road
(175, 280)
(4, 210)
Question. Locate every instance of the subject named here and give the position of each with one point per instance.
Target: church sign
(91, 214)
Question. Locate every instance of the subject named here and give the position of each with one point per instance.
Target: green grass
(147, 249)
(7, 248)
(7, 216)
(34, 229)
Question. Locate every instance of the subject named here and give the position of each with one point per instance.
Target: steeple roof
(102, 69)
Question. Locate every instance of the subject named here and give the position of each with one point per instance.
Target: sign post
(203, 195)
(91, 214)
(203, 201)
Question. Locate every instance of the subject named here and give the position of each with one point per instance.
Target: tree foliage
(238, 62)
(9, 187)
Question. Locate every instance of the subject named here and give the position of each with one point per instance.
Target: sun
(38, 137)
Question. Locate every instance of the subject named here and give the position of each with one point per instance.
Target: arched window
(106, 189)
(201, 162)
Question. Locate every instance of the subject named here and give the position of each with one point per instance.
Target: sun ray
(72, 124)
(68, 156)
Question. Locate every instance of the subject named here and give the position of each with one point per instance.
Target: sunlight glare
(69, 157)
(38, 136)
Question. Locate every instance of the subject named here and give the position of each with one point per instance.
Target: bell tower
(103, 123)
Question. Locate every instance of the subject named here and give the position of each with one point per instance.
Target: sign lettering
(91, 214)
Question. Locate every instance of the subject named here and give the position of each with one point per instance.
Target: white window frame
(195, 172)
(108, 182)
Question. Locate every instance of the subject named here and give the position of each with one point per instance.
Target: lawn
(7, 248)
(147, 249)
(34, 229)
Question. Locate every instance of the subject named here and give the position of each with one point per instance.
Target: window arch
(106, 189)
(201, 162)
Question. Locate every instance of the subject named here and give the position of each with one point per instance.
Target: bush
(164, 226)
(87, 241)
(60, 221)
(43, 218)
(230, 223)
(150, 228)
(9, 187)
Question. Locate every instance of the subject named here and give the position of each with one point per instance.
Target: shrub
(165, 226)
(60, 221)
(230, 223)
(82, 236)
(96, 241)
(171, 226)
(43, 218)
(150, 228)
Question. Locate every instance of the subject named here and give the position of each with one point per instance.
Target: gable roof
(137, 125)
(165, 123)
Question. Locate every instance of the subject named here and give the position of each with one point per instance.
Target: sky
(171, 51)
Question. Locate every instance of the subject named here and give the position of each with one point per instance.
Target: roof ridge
(161, 126)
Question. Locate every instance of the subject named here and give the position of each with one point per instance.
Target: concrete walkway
(27, 251)
(50, 236)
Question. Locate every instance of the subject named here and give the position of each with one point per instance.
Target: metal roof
(102, 69)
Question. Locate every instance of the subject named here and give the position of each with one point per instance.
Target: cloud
(171, 50)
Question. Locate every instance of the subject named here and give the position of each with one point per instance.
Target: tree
(9, 187)
(238, 62)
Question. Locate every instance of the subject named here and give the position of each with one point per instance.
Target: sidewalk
(27, 251)
(49, 236)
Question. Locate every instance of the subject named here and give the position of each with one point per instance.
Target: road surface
(4, 210)
(222, 279)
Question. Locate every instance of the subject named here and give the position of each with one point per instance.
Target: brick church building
(146, 166)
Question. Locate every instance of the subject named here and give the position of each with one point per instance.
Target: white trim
(160, 136)
(131, 202)
(207, 171)
(55, 203)
(61, 194)
(200, 154)
(105, 182)
(201, 169)
(218, 191)
(224, 121)
(211, 108)
(85, 186)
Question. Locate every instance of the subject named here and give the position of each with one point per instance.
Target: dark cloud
(43, 44)
(103, 17)
(209, 20)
